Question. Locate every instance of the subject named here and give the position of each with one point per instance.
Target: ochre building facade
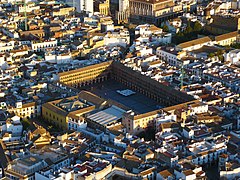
(134, 123)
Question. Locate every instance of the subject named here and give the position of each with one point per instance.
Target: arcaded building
(134, 80)
(125, 75)
(87, 75)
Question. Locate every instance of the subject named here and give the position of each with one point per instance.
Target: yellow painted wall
(54, 118)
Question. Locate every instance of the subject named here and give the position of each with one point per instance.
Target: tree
(197, 26)
(179, 37)
(221, 58)
(211, 55)
(165, 28)
(220, 52)
(235, 45)
(188, 29)
(26, 124)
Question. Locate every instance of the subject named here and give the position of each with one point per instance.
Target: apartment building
(25, 110)
(114, 38)
(39, 46)
(136, 123)
(132, 79)
(170, 55)
(6, 46)
(205, 152)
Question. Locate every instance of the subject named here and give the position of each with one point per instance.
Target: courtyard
(137, 102)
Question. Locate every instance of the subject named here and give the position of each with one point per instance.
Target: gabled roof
(195, 42)
(226, 36)
(165, 173)
(92, 98)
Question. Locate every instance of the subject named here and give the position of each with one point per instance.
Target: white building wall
(81, 5)
(2, 60)
(89, 6)
(230, 174)
(123, 5)
(115, 41)
(6, 46)
(29, 8)
(42, 45)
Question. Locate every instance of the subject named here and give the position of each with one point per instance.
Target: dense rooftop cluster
(127, 89)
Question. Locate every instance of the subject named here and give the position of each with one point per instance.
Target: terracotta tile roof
(195, 42)
(226, 36)
(165, 173)
(152, 1)
(188, 172)
(90, 97)
(91, 67)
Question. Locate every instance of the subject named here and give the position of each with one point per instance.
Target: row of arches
(79, 83)
(165, 100)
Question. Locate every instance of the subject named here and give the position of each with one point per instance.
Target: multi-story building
(38, 46)
(135, 123)
(59, 111)
(227, 39)
(104, 8)
(86, 75)
(25, 110)
(233, 56)
(223, 24)
(93, 169)
(195, 44)
(205, 152)
(170, 55)
(132, 79)
(6, 46)
(168, 156)
(81, 5)
(153, 11)
(123, 13)
(195, 132)
(12, 33)
(230, 170)
(28, 8)
(25, 168)
(121, 38)
(13, 126)
(76, 123)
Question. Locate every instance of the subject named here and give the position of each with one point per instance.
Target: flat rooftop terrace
(138, 102)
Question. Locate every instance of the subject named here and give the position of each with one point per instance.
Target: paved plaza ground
(137, 102)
